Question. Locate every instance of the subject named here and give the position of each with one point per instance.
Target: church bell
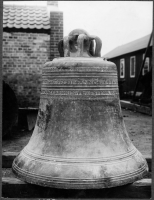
(80, 140)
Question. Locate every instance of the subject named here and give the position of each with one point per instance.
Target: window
(122, 68)
(146, 65)
(132, 66)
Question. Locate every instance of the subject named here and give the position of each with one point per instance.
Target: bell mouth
(66, 174)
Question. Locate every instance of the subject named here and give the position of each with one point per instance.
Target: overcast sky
(115, 22)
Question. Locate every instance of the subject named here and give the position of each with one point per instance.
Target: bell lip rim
(138, 171)
(82, 183)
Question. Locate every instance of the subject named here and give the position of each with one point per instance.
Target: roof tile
(15, 16)
(17, 26)
(10, 25)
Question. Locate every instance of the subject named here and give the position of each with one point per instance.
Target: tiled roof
(32, 17)
(135, 45)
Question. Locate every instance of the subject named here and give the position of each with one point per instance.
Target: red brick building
(30, 38)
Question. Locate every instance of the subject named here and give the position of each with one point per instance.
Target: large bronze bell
(80, 140)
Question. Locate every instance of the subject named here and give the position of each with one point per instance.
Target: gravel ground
(139, 127)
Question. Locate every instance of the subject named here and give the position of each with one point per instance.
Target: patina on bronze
(80, 140)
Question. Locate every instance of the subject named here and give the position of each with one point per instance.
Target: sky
(114, 22)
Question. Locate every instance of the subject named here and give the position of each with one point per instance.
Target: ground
(139, 127)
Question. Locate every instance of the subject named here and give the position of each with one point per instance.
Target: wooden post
(137, 82)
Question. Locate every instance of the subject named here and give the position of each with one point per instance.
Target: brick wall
(56, 33)
(24, 54)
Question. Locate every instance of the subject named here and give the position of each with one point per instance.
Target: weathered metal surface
(80, 140)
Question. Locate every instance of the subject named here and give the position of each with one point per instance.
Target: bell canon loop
(80, 140)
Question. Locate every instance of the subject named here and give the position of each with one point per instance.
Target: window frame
(132, 75)
(147, 59)
(122, 60)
